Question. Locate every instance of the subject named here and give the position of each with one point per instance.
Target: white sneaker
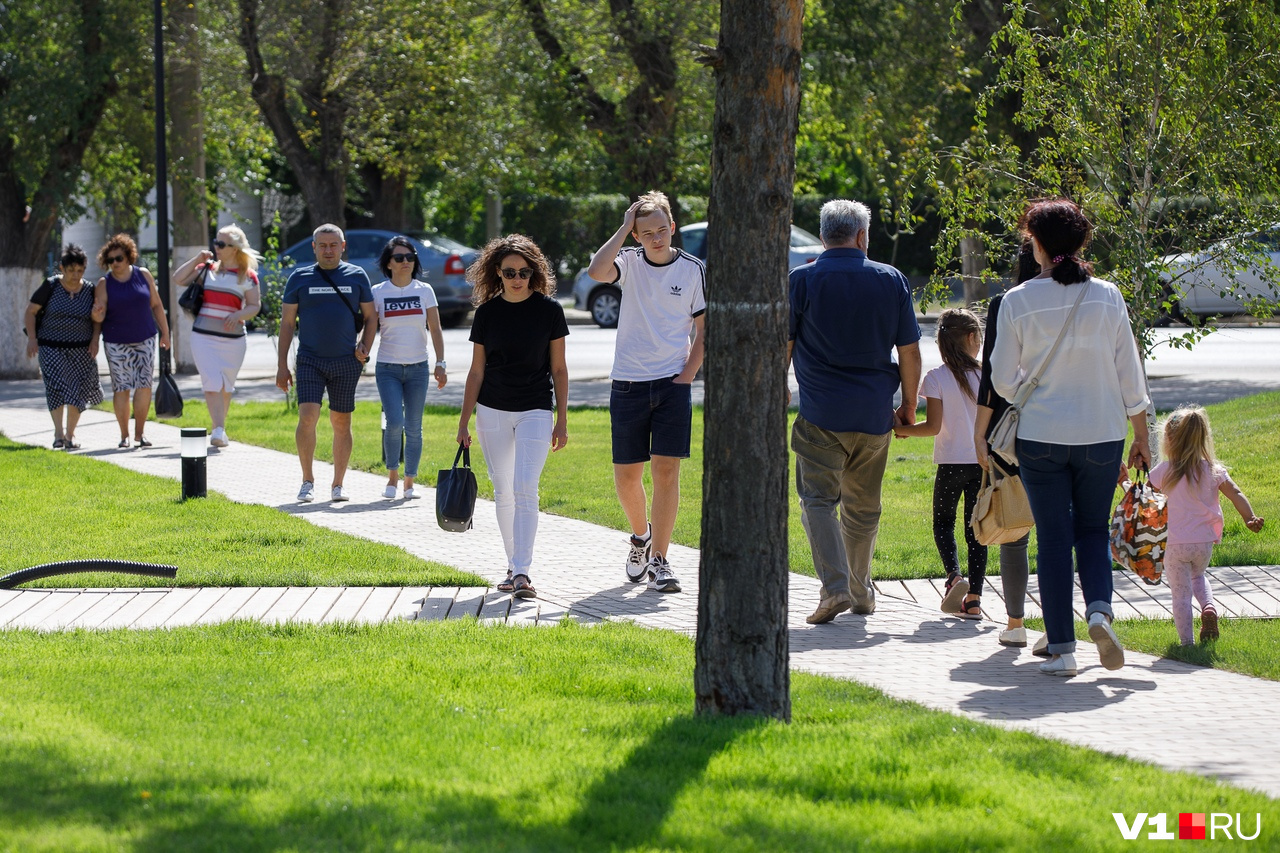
(219, 438)
(411, 493)
(1014, 638)
(1104, 636)
(637, 565)
(390, 492)
(338, 496)
(307, 493)
(1064, 665)
(660, 575)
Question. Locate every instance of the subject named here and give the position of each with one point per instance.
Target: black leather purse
(192, 299)
(456, 494)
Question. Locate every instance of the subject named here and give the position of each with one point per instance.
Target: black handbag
(456, 494)
(168, 397)
(192, 299)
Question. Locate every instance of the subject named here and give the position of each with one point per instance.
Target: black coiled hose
(71, 567)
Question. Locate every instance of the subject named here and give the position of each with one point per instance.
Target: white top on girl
(1195, 516)
(402, 321)
(954, 444)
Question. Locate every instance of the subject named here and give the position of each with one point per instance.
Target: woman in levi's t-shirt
(951, 407)
(1191, 479)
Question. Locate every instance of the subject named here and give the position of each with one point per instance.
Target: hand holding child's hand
(1255, 523)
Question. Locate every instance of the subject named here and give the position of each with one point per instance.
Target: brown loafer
(829, 608)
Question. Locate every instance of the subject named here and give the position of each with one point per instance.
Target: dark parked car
(604, 300)
(444, 265)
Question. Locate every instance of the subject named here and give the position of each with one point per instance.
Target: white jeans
(515, 446)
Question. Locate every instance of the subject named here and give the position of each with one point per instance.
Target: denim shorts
(338, 376)
(649, 419)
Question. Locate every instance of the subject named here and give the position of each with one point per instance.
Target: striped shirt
(224, 295)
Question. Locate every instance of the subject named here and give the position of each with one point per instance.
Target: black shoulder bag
(456, 493)
(192, 299)
(356, 314)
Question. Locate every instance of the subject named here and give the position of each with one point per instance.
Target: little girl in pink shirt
(1191, 479)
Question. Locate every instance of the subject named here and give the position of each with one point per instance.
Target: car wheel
(604, 305)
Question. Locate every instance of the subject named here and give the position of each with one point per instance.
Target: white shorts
(218, 360)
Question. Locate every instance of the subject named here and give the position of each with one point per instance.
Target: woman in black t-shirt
(67, 343)
(517, 372)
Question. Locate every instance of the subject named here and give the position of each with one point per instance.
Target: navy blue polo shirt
(847, 316)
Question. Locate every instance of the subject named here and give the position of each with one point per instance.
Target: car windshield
(440, 243)
(801, 237)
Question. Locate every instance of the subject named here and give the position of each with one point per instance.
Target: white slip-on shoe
(1064, 665)
(337, 495)
(1014, 638)
(389, 492)
(219, 438)
(411, 493)
(1041, 648)
(1104, 636)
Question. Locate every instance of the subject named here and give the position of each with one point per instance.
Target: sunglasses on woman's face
(115, 259)
(524, 273)
(221, 244)
(404, 259)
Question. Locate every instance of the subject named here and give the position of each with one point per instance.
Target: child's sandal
(971, 609)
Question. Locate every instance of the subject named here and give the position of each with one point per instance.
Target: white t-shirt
(954, 443)
(402, 321)
(659, 303)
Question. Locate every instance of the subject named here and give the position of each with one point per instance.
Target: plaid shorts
(338, 376)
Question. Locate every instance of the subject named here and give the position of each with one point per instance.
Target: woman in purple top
(134, 313)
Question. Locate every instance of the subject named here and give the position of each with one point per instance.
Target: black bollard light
(195, 453)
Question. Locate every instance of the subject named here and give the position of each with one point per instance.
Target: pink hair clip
(1057, 259)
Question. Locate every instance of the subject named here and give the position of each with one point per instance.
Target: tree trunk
(186, 154)
(385, 194)
(973, 260)
(742, 662)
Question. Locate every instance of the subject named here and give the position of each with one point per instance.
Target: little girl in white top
(951, 393)
(1191, 479)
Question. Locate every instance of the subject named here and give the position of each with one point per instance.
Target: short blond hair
(652, 202)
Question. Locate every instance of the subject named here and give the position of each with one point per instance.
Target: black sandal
(141, 441)
(124, 442)
(971, 609)
(505, 585)
(522, 588)
(58, 444)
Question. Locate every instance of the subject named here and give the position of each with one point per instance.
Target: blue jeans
(1070, 487)
(403, 389)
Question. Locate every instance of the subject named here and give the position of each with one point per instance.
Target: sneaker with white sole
(389, 492)
(338, 496)
(1104, 636)
(307, 493)
(219, 437)
(660, 575)
(638, 557)
(1063, 665)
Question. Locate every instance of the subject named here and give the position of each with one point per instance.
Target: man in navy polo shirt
(326, 301)
(848, 316)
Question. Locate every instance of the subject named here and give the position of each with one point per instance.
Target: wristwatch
(440, 364)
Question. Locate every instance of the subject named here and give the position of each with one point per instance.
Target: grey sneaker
(638, 558)
(660, 575)
(338, 496)
(307, 493)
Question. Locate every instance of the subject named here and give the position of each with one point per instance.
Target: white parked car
(603, 300)
(1205, 284)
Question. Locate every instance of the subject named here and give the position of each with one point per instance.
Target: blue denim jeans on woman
(1070, 487)
(403, 389)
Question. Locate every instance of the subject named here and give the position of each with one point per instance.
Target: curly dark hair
(1063, 232)
(74, 256)
(486, 280)
(384, 261)
(124, 243)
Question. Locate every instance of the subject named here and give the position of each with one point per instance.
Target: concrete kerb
(905, 649)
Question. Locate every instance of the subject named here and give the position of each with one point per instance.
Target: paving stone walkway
(906, 648)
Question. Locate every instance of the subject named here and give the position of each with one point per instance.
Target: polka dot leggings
(949, 484)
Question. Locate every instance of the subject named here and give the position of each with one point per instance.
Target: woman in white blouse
(1072, 429)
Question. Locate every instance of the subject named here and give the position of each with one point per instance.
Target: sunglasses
(404, 259)
(115, 259)
(522, 274)
(221, 244)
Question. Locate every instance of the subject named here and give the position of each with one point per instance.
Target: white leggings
(1184, 567)
(515, 446)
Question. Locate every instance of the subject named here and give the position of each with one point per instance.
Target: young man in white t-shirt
(650, 408)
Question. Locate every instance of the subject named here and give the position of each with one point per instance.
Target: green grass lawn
(456, 736)
(578, 481)
(1247, 646)
(56, 507)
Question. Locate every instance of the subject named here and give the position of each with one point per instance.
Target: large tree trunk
(973, 261)
(186, 154)
(742, 648)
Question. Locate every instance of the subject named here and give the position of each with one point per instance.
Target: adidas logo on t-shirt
(675, 290)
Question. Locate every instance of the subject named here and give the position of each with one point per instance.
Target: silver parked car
(1204, 284)
(603, 300)
(444, 265)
